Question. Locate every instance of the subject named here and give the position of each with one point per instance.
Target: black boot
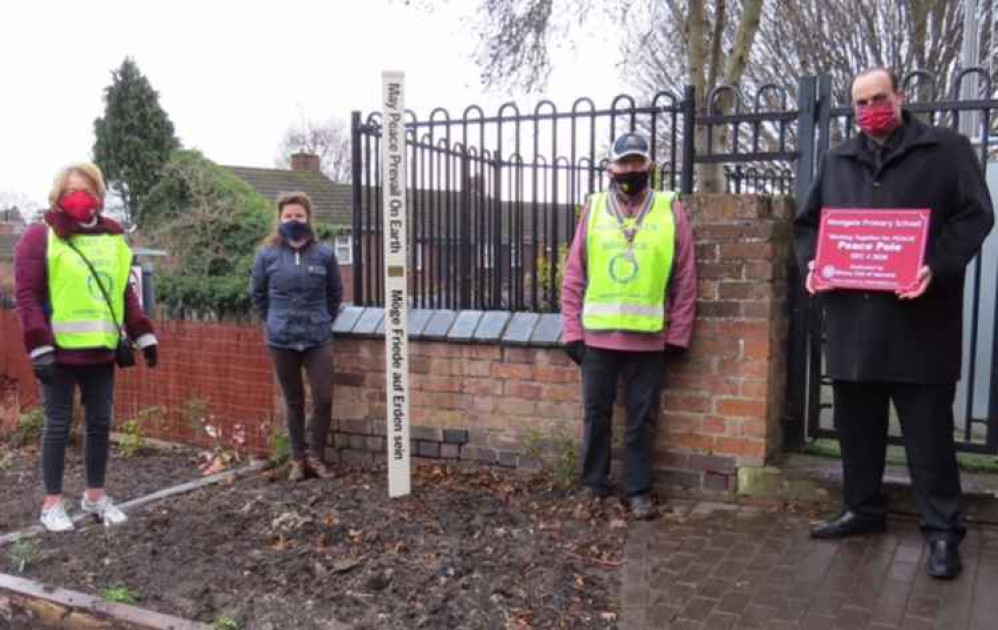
(944, 559)
(849, 524)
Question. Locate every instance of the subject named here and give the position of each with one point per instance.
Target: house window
(344, 249)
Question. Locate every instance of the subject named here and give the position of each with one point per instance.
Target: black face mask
(295, 230)
(632, 183)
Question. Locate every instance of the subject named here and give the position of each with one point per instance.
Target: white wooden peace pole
(396, 281)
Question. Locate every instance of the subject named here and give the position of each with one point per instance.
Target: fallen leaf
(342, 566)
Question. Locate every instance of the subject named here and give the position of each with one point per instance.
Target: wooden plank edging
(26, 600)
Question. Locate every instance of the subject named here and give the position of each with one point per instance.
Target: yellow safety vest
(626, 282)
(80, 315)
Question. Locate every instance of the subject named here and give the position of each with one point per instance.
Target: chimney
(305, 162)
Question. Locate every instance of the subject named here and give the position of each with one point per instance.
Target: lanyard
(630, 232)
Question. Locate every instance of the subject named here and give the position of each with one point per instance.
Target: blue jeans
(96, 383)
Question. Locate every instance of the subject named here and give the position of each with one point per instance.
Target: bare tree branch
(329, 140)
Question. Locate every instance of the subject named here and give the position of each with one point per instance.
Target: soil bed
(21, 490)
(472, 548)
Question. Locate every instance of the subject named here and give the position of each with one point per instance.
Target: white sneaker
(104, 509)
(55, 518)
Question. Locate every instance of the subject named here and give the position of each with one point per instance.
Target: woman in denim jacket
(297, 291)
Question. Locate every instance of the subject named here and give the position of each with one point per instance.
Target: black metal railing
(494, 200)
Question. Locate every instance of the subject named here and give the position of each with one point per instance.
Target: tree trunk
(712, 175)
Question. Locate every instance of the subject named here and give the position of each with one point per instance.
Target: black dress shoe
(944, 559)
(849, 524)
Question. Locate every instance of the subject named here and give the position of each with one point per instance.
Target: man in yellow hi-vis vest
(628, 300)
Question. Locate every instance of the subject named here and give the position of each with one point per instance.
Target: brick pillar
(723, 404)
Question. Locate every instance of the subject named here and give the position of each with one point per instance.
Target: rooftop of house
(332, 202)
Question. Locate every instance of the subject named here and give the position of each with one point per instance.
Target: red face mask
(878, 119)
(80, 205)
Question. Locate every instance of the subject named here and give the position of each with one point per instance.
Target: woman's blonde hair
(86, 170)
(300, 198)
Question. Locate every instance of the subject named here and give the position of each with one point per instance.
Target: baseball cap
(631, 143)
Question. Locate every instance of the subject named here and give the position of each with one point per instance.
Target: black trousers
(642, 376)
(861, 414)
(96, 383)
(318, 365)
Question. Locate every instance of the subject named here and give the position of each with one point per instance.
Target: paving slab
(722, 566)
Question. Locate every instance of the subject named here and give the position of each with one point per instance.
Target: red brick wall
(721, 409)
(722, 406)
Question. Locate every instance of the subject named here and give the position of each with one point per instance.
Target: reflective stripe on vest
(626, 287)
(80, 316)
(84, 327)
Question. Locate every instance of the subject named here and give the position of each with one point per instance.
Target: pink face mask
(80, 205)
(877, 119)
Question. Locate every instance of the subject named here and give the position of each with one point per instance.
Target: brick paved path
(713, 567)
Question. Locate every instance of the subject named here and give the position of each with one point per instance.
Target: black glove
(576, 351)
(151, 353)
(674, 353)
(44, 367)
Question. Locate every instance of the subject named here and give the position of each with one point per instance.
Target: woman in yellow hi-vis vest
(628, 300)
(74, 300)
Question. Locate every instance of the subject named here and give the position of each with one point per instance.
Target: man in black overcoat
(903, 347)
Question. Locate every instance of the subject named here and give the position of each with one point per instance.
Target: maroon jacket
(31, 279)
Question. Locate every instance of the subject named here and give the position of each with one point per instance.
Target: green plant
(197, 412)
(280, 446)
(565, 470)
(6, 460)
(29, 429)
(557, 454)
(23, 553)
(225, 623)
(133, 438)
(121, 595)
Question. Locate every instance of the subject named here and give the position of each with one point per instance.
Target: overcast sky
(234, 75)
